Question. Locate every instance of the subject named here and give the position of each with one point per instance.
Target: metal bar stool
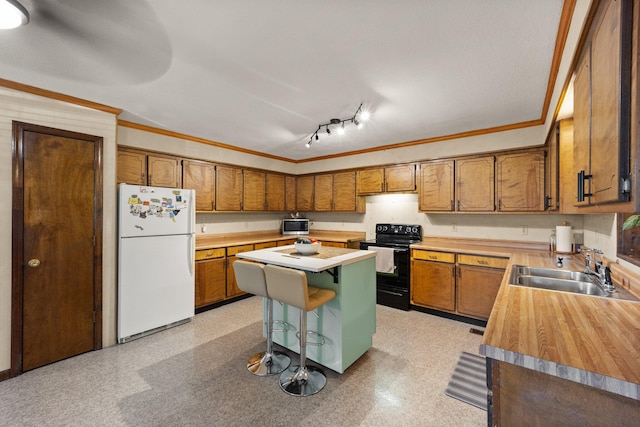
(290, 287)
(250, 278)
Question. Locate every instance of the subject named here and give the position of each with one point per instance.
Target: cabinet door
(232, 286)
(275, 191)
(607, 103)
(210, 281)
(433, 285)
(475, 184)
(323, 193)
(477, 288)
(436, 186)
(582, 123)
(290, 188)
(400, 178)
(370, 181)
(228, 188)
(163, 171)
(132, 167)
(552, 171)
(344, 193)
(199, 176)
(254, 193)
(520, 182)
(304, 193)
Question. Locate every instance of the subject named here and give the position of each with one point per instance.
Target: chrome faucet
(601, 272)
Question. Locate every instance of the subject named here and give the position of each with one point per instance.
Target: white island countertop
(326, 258)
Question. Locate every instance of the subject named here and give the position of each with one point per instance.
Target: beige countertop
(211, 241)
(325, 259)
(587, 339)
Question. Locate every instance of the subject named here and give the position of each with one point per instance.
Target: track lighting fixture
(360, 114)
(12, 14)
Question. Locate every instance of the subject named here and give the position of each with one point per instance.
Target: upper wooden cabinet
(305, 193)
(255, 190)
(474, 187)
(139, 167)
(520, 181)
(323, 192)
(602, 105)
(436, 185)
(290, 186)
(200, 176)
(229, 185)
(275, 184)
(344, 193)
(401, 178)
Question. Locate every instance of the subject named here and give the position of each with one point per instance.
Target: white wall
(28, 108)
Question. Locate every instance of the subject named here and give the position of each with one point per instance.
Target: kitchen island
(347, 322)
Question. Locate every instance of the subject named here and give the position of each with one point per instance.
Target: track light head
(356, 119)
(328, 131)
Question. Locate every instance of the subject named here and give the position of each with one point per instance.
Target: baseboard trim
(5, 375)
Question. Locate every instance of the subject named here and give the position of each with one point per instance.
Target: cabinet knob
(34, 262)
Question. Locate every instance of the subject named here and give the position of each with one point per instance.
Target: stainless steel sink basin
(563, 281)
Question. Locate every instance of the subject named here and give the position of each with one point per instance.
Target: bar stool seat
(290, 286)
(250, 278)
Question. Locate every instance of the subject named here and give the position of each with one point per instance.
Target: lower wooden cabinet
(457, 283)
(433, 282)
(232, 286)
(210, 280)
(334, 244)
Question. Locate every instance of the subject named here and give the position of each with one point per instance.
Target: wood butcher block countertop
(587, 339)
(211, 241)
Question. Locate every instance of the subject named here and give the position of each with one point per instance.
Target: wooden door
(436, 186)
(57, 241)
(370, 181)
(255, 190)
(475, 184)
(304, 193)
(552, 170)
(275, 192)
(323, 192)
(200, 176)
(477, 288)
(228, 188)
(163, 171)
(433, 285)
(290, 193)
(132, 167)
(400, 178)
(582, 124)
(211, 277)
(232, 285)
(344, 192)
(520, 182)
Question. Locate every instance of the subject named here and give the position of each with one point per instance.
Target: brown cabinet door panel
(228, 188)
(400, 178)
(210, 281)
(371, 181)
(200, 176)
(305, 193)
(344, 192)
(475, 184)
(437, 186)
(477, 288)
(290, 185)
(163, 171)
(520, 182)
(255, 191)
(132, 167)
(275, 192)
(323, 193)
(433, 285)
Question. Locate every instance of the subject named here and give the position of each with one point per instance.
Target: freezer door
(155, 282)
(154, 211)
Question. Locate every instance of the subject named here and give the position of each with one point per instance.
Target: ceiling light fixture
(12, 14)
(360, 114)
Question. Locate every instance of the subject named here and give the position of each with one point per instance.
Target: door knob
(34, 262)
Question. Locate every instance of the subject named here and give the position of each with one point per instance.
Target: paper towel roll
(564, 239)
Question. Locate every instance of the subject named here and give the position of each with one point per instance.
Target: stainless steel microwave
(295, 226)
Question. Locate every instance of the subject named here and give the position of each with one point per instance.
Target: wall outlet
(524, 229)
(203, 228)
(454, 228)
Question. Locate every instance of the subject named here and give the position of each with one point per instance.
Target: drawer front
(434, 256)
(265, 245)
(209, 253)
(237, 249)
(482, 261)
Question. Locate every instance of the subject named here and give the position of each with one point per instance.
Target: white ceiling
(262, 75)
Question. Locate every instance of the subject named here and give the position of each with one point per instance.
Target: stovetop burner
(400, 234)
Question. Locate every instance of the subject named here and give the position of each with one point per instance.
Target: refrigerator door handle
(192, 254)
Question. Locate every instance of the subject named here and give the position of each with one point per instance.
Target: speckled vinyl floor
(195, 375)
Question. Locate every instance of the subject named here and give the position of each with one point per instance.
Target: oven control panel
(408, 230)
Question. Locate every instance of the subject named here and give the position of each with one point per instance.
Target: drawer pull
(433, 257)
(482, 262)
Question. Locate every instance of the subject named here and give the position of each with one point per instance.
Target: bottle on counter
(552, 241)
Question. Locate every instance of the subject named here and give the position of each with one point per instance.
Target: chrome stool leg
(302, 380)
(268, 362)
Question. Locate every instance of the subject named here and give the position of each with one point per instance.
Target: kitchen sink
(576, 282)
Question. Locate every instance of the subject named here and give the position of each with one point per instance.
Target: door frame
(17, 225)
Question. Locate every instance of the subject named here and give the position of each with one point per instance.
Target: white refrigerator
(156, 251)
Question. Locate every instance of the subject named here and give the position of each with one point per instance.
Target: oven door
(393, 288)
